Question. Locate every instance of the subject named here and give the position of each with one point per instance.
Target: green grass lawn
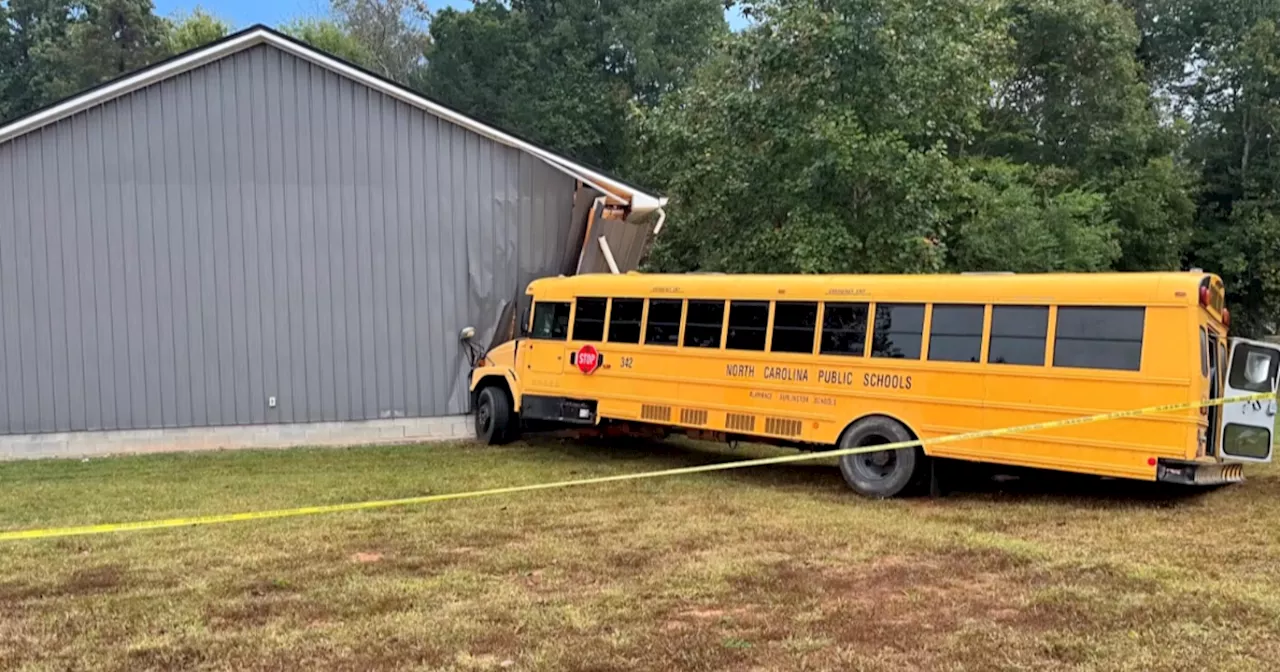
(774, 568)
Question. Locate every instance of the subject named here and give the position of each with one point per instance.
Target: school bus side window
(624, 320)
(844, 329)
(588, 321)
(898, 330)
(550, 321)
(1018, 334)
(663, 327)
(748, 325)
(793, 325)
(1099, 338)
(703, 323)
(955, 333)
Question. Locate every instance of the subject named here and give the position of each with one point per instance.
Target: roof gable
(639, 201)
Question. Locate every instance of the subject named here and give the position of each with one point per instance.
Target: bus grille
(652, 412)
(693, 416)
(740, 422)
(782, 426)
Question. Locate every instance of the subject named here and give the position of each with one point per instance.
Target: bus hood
(503, 355)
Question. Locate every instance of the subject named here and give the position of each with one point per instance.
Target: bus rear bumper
(1198, 473)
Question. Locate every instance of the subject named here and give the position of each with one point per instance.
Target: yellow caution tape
(55, 532)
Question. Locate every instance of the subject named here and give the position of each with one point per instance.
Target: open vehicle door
(1248, 427)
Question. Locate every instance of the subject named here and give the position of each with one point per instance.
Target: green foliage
(1076, 96)
(24, 78)
(50, 49)
(195, 30)
(1237, 128)
(1019, 218)
(565, 73)
(106, 39)
(1154, 209)
(389, 32)
(329, 37)
(1244, 246)
(833, 138)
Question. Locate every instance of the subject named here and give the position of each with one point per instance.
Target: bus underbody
(577, 418)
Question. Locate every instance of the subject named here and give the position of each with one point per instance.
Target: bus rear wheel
(884, 473)
(495, 423)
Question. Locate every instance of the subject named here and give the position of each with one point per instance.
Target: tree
(837, 137)
(24, 24)
(390, 31)
(1238, 151)
(107, 38)
(1075, 97)
(331, 38)
(1215, 64)
(565, 73)
(1017, 218)
(1077, 100)
(195, 30)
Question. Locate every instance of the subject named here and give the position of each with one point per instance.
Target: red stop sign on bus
(588, 359)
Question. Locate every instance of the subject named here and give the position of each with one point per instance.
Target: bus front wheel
(883, 473)
(495, 423)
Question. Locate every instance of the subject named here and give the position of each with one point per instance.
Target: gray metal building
(255, 233)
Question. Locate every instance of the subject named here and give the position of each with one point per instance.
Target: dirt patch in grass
(898, 603)
(79, 583)
(16, 591)
(93, 580)
(166, 657)
(258, 611)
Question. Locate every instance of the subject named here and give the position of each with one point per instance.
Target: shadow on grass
(676, 453)
(960, 481)
(972, 481)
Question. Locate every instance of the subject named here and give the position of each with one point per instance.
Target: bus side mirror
(467, 334)
(523, 328)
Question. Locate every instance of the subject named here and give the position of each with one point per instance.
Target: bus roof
(1170, 288)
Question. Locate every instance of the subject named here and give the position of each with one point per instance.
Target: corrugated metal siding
(258, 227)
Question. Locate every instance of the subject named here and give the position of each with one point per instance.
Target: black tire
(494, 420)
(885, 473)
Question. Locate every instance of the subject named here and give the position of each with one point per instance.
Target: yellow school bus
(820, 361)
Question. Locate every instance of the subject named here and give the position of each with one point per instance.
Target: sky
(241, 13)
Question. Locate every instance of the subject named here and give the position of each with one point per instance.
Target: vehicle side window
(1253, 368)
(955, 333)
(1018, 335)
(748, 325)
(1204, 353)
(703, 324)
(794, 323)
(844, 329)
(588, 320)
(664, 322)
(550, 321)
(898, 330)
(1099, 338)
(624, 320)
